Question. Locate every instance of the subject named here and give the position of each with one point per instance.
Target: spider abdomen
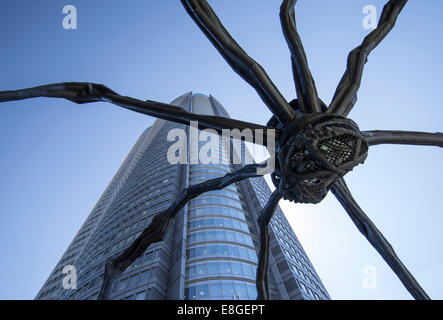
(313, 152)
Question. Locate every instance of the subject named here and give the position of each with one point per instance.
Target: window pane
(223, 250)
(201, 269)
(192, 293)
(199, 236)
(228, 290)
(252, 291)
(202, 291)
(249, 241)
(248, 270)
(240, 290)
(123, 283)
(233, 251)
(230, 236)
(243, 252)
(215, 290)
(225, 268)
(192, 271)
(212, 250)
(236, 268)
(213, 268)
(145, 275)
(199, 251)
(210, 235)
(133, 280)
(227, 223)
(219, 235)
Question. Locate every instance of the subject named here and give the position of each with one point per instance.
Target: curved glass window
(209, 170)
(221, 250)
(223, 192)
(221, 289)
(221, 235)
(228, 188)
(203, 177)
(218, 217)
(218, 201)
(218, 222)
(221, 268)
(222, 211)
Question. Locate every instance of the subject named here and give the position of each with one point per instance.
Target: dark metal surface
(312, 154)
(403, 137)
(263, 222)
(315, 147)
(304, 82)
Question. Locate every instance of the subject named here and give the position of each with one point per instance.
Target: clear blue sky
(57, 157)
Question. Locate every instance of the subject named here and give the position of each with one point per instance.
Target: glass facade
(210, 251)
(221, 259)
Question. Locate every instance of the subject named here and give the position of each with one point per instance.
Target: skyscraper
(210, 251)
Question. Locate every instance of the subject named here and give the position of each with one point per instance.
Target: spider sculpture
(316, 144)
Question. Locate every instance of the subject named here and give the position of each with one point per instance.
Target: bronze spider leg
(376, 137)
(265, 217)
(376, 238)
(346, 93)
(304, 83)
(203, 15)
(158, 228)
(84, 92)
